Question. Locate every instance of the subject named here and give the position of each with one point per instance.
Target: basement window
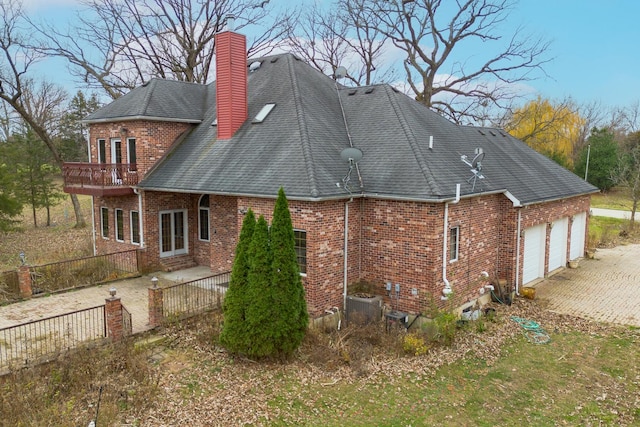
(263, 113)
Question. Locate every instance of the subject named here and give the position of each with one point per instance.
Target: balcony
(100, 179)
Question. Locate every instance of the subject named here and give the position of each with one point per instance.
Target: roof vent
(214, 122)
(274, 60)
(352, 92)
(254, 66)
(369, 90)
(492, 133)
(481, 132)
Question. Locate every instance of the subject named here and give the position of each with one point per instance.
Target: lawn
(616, 198)
(490, 375)
(44, 244)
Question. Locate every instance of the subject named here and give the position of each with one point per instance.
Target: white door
(558, 244)
(534, 243)
(578, 230)
(173, 233)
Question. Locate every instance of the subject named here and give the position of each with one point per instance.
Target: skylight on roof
(263, 113)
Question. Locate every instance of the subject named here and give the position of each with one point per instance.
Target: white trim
(103, 222)
(131, 227)
(305, 250)
(457, 254)
(185, 226)
(201, 208)
(115, 222)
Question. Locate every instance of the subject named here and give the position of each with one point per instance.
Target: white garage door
(578, 229)
(533, 265)
(558, 244)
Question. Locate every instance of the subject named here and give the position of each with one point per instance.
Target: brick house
(380, 188)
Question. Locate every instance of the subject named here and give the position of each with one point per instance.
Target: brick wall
(153, 139)
(389, 241)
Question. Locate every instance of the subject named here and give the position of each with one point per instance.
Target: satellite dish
(476, 163)
(341, 72)
(351, 154)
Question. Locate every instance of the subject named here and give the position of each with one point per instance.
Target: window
(203, 218)
(104, 216)
(116, 150)
(300, 245)
(119, 225)
(131, 153)
(134, 219)
(454, 234)
(102, 151)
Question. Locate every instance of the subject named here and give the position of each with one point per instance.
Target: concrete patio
(133, 294)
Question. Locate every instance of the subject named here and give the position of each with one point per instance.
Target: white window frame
(104, 224)
(132, 164)
(117, 227)
(102, 154)
(131, 227)
(454, 244)
(296, 247)
(200, 210)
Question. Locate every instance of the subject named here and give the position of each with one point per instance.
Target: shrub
(415, 344)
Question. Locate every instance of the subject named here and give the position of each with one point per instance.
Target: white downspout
(518, 252)
(447, 286)
(346, 253)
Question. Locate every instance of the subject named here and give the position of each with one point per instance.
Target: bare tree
(346, 35)
(119, 44)
(431, 32)
(36, 106)
(627, 172)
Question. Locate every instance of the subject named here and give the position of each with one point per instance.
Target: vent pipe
(430, 142)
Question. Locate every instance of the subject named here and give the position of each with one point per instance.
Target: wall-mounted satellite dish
(341, 72)
(351, 154)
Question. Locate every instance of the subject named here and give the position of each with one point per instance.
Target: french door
(173, 233)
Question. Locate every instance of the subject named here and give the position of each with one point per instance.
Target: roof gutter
(148, 118)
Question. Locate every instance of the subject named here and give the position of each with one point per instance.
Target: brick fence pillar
(113, 313)
(24, 280)
(155, 306)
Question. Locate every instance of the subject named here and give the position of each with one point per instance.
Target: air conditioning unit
(363, 309)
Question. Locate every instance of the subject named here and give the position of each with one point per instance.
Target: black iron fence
(43, 339)
(85, 271)
(187, 299)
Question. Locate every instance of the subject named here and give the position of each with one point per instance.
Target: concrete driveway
(605, 289)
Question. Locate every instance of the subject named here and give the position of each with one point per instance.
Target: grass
(609, 232)
(358, 376)
(44, 244)
(616, 198)
(582, 377)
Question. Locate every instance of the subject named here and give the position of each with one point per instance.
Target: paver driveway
(605, 289)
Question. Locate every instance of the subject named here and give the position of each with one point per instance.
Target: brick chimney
(231, 82)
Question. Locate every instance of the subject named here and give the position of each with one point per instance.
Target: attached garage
(534, 250)
(578, 230)
(558, 244)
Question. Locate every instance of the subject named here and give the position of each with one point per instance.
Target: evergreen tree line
(265, 312)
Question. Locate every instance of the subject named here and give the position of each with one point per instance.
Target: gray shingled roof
(298, 145)
(159, 99)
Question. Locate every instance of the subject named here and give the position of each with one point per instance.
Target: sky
(595, 47)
